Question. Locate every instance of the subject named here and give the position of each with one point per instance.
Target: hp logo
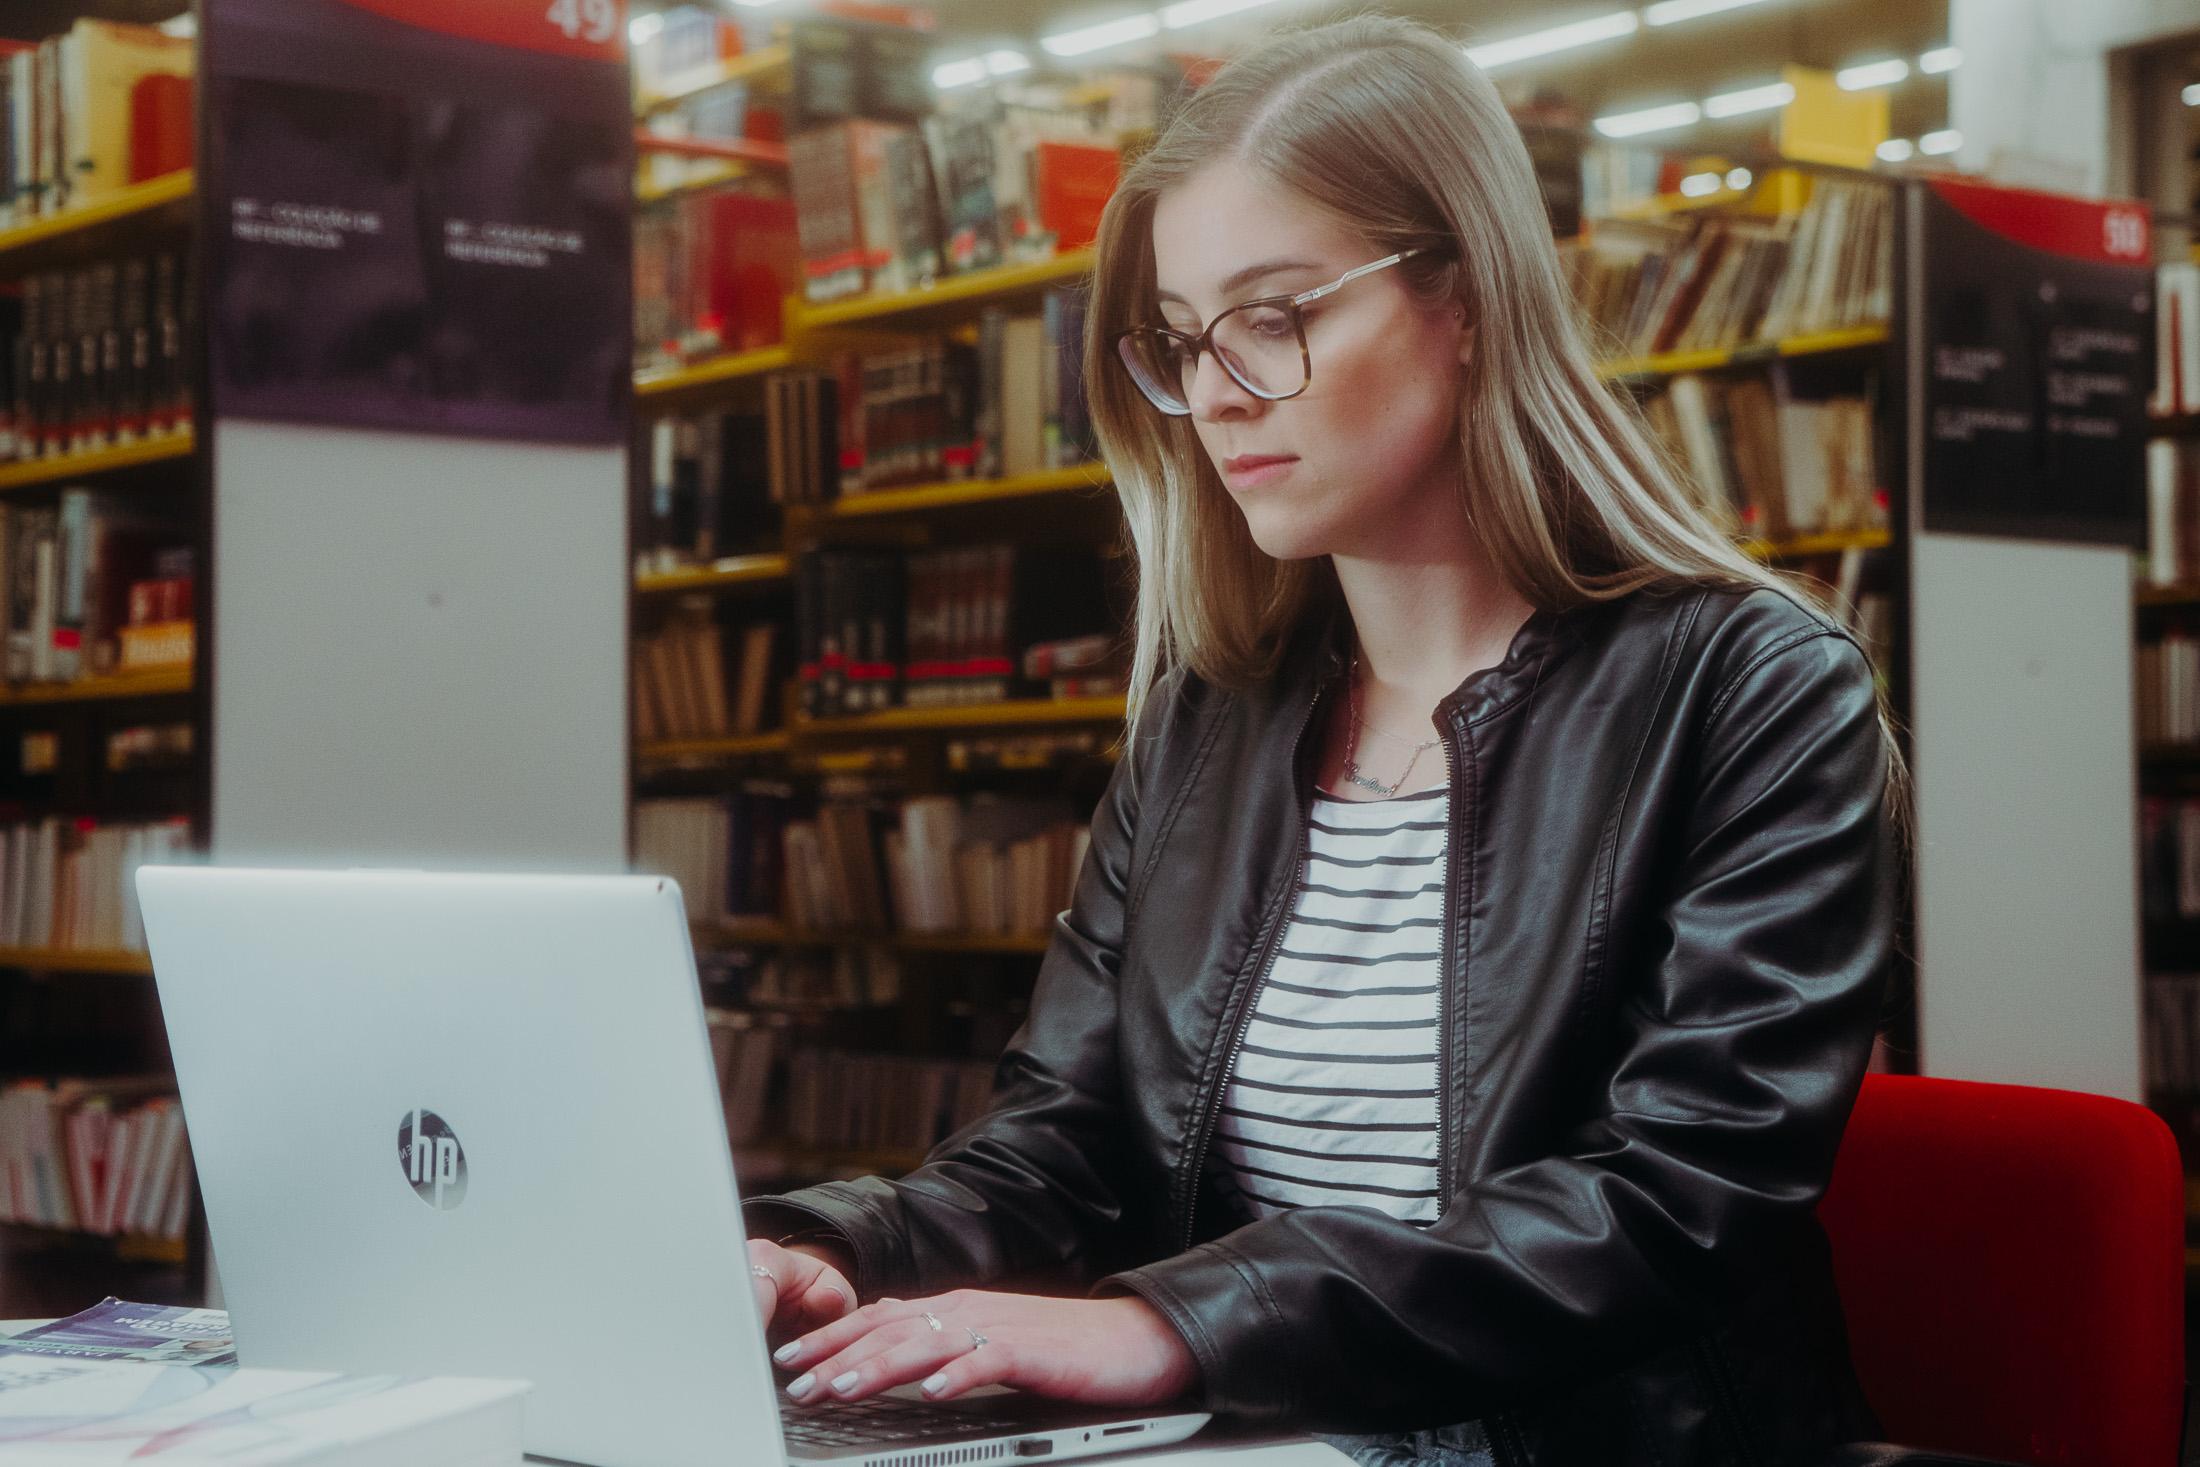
(429, 1153)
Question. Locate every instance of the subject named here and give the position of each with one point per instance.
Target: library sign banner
(417, 214)
(2039, 359)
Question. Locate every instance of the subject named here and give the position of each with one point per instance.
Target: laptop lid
(468, 1124)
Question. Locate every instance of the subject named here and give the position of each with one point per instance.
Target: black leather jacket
(1669, 914)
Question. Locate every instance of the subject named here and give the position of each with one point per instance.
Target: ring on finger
(934, 1321)
(762, 1272)
(977, 1341)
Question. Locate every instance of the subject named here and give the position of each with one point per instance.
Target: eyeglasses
(1260, 343)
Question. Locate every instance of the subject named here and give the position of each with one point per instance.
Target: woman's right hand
(807, 1286)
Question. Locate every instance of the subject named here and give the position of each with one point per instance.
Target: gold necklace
(1352, 772)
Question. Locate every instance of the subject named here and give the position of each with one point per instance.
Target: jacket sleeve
(1745, 1033)
(1031, 1187)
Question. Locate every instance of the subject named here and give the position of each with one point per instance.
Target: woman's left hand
(1113, 1352)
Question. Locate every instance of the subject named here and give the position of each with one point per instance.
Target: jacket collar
(1546, 636)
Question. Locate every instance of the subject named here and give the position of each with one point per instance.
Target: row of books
(2176, 338)
(786, 981)
(1715, 280)
(885, 628)
(1767, 462)
(2173, 512)
(977, 864)
(104, 1156)
(856, 1101)
(96, 584)
(2166, 678)
(69, 882)
(2169, 859)
(87, 112)
(697, 679)
(94, 357)
(725, 850)
(137, 747)
(2172, 1060)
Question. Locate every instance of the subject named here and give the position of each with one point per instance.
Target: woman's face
(1364, 461)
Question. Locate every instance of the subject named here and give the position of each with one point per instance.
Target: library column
(418, 325)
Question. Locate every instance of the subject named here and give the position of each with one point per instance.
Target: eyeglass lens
(1257, 344)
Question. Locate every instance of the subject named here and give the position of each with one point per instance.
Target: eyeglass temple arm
(1351, 275)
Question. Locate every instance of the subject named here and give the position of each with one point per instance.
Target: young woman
(1481, 939)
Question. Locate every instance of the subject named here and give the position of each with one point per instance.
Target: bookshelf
(912, 752)
(129, 462)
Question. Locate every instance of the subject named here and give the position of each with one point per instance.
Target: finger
(825, 1298)
(886, 1357)
(974, 1366)
(836, 1336)
(767, 1289)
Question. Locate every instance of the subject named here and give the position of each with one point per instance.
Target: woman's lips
(1249, 470)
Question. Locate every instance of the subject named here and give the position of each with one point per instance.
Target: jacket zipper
(1271, 943)
(1443, 974)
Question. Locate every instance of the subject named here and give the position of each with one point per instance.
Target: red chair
(2011, 1261)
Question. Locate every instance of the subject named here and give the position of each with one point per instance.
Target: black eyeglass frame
(1204, 341)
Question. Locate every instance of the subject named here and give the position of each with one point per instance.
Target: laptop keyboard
(882, 1420)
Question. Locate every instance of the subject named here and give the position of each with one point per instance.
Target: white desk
(1281, 1451)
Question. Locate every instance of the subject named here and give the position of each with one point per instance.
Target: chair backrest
(2011, 1265)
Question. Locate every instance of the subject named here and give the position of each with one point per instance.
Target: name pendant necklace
(1352, 773)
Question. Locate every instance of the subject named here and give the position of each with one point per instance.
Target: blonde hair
(1386, 125)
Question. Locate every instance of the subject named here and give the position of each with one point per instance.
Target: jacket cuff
(1212, 1298)
(774, 1217)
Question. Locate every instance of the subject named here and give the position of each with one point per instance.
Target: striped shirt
(1333, 1097)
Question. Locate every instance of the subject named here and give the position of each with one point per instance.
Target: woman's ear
(1466, 344)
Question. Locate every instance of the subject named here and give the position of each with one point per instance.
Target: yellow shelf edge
(766, 743)
(76, 960)
(138, 198)
(85, 690)
(1828, 544)
(729, 368)
(966, 491)
(100, 461)
(737, 570)
(1014, 713)
(1667, 364)
(951, 290)
(758, 68)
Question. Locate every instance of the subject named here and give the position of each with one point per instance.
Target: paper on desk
(156, 1334)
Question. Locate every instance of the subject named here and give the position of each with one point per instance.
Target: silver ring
(977, 1341)
(764, 1273)
(933, 1320)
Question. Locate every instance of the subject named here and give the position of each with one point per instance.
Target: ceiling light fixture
(1672, 12)
(1749, 99)
(1944, 58)
(1648, 119)
(1492, 54)
(1871, 74)
(1192, 12)
(1947, 140)
(1896, 150)
(1099, 37)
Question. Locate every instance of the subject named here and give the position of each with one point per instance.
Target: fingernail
(801, 1386)
(935, 1383)
(845, 1383)
(787, 1351)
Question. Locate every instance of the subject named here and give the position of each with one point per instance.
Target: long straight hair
(1386, 125)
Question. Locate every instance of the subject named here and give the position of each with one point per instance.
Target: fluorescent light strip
(1192, 12)
(1749, 99)
(1944, 58)
(1896, 150)
(1099, 37)
(1492, 54)
(1006, 63)
(1672, 12)
(1871, 74)
(1947, 140)
(1649, 119)
(951, 74)
(1696, 185)
(1737, 178)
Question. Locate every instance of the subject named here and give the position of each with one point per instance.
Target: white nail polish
(844, 1382)
(787, 1351)
(935, 1383)
(801, 1387)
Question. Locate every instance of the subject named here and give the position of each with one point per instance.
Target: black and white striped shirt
(1333, 1098)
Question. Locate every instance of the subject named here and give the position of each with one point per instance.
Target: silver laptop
(467, 1124)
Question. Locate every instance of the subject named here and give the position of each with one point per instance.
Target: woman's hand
(1115, 1352)
(799, 1288)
